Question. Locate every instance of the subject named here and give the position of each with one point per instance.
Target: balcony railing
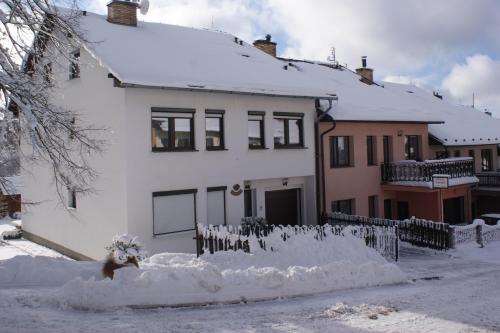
(489, 179)
(413, 171)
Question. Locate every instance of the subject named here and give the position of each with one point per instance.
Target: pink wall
(361, 181)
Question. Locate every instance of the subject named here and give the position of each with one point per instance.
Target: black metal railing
(423, 171)
(489, 179)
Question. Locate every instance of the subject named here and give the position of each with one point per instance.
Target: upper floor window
(341, 151)
(412, 147)
(371, 149)
(472, 154)
(486, 160)
(172, 129)
(288, 130)
(256, 137)
(214, 129)
(71, 198)
(456, 153)
(387, 142)
(74, 66)
(343, 206)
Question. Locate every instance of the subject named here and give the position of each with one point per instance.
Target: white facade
(130, 172)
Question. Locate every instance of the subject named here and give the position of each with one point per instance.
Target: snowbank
(299, 266)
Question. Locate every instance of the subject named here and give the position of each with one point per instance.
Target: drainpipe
(320, 163)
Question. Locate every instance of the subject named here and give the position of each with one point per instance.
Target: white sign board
(441, 181)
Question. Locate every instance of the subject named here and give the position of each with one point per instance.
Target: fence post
(479, 235)
(451, 237)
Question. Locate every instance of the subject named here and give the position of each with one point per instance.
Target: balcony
(489, 179)
(413, 173)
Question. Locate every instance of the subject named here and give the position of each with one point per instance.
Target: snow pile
(299, 266)
(27, 271)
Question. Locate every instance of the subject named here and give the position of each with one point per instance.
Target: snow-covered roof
(358, 101)
(169, 56)
(10, 185)
(463, 125)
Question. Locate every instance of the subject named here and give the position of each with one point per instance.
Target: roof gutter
(200, 88)
(320, 156)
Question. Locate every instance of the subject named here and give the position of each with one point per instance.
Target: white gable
(162, 55)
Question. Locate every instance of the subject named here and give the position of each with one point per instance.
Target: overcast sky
(448, 45)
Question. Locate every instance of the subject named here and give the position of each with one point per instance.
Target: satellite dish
(144, 7)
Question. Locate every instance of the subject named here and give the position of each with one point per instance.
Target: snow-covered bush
(124, 248)
(11, 234)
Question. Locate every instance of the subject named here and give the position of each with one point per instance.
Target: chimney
(123, 12)
(266, 45)
(365, 72)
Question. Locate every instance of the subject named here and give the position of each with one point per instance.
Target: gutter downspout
(320, 163)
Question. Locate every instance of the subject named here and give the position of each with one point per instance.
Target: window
(372, 206)
(486, 162)
(473, 155)
(74, 66)
(387, 149)
(412, 147)
(214, 127)
(341, 151)
(388, 209)
(256, 130)
(172, 129)
(343, 206)
(441, 155)
(288, 130)
(71, 198)
(216, 205)
(371, 150)
(456, 153)
(174, 211)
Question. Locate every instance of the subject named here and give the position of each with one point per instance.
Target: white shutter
(215, 207)
(173, 213)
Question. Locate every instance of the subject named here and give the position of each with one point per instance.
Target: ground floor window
(343, 206)
(216, 205)
(174, 211)
(388, 209)
(372, 206)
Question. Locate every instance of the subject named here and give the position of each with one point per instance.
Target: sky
(451, 46)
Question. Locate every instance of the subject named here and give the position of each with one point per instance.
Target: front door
(283, 207)
(453, 210)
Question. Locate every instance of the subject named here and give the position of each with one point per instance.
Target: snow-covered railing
(211, 239)
(491, 233)
(478, 232)
(489, 179)
(422, 171)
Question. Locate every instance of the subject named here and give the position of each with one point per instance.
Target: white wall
(89, 228)
(148, 172)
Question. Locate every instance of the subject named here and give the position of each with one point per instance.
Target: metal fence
(423, 171)
(211, 239)
(489, 179)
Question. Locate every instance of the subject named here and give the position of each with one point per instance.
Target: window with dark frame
(340, 151)
(412, 147)
(174, 211)
(388, 209)
(387, 143)
(473, 155)
(288, 130)
(486, 160)
(71, 198)
(74, 66)
(343, 206)
(172, 129)
(372, 206)
(371, 149)
(456, 153)
(214, 129)
(216, 205)
(256, 135)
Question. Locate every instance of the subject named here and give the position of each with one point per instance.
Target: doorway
(283, 207)
(454, 210)
(403, 210)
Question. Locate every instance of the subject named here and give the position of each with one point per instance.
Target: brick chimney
(365, 72)
(266, 45)
(123, 12)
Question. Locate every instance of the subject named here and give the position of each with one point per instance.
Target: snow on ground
(446, 292)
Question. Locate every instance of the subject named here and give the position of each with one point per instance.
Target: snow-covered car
(490, 219)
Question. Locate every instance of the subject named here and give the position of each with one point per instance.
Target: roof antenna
(331, 58)
(213, 23)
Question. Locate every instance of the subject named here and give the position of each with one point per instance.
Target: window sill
(257, 148)
(163, 150)
(290, 147)
(216, 149)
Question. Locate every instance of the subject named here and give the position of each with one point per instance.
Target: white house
(204, 128)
